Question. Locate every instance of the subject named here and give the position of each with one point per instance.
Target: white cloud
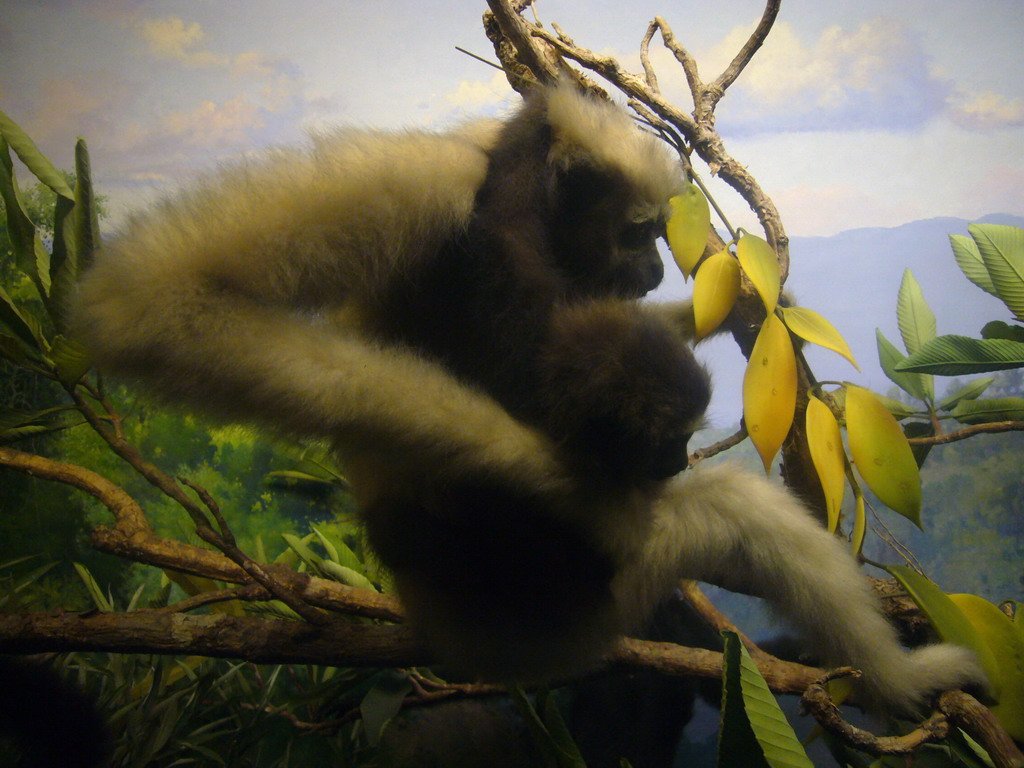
(169, 37)
(469, 99)
(874, 76)
(214, 125)
(985, 111)
(477, 95)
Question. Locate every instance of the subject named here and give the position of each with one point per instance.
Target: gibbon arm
(725, 526)
(242, 297)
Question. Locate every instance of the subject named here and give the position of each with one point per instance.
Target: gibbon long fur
(457, 314)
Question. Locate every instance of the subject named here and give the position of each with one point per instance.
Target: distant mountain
(853, 278)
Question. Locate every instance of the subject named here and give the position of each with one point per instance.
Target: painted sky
(867, 113)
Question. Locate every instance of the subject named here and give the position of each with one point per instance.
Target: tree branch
(133, 539)
(819, 703)
(215, 635)
(966, 712)
(962, 434)
(746, 53)
(267, 641)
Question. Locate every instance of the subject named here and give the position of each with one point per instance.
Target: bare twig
(962, 434)
(818, 702)
(481, 59)
(746, 53)
(244, 592)
(716, 448)
(645, 58)
(686, 61)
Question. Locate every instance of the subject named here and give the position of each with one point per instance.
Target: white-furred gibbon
(457, 313)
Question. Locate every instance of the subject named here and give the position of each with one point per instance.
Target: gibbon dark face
(606, 237)
(454, 313)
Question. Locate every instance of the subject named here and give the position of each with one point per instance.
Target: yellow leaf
(809, 325)
(882, 454)
(687, 230)
(715, 289)
(948, 619)
(761, 265)
(860, 525)
(826, 447)
(769, 389)
(1007, 646)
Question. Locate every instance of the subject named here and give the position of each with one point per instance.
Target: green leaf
(957, 355)
(997, 329)
(898, 409)
(965, 250)
(916, 322)
(30, 255)
(568, 753)
(972, 391)
(95, 592)
(33, 159)
(986, 411)
(881, 453)
(327, 544)
(1002, 250)
(1007, 646)
(737, 744)
(70, 359)
(383, 702)
(553, 753)
(18, 324)
(345, 575)
(778, 745)
(63, 261)
(86, 218)
(300, 547)
(949, 621)
(15, 351)
(914, 429)
(889, 357)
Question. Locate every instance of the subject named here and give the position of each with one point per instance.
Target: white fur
(603, 132)
(738, 530)
(243, 296)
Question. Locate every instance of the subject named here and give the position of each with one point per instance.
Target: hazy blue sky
(855, 114)
(864, 113)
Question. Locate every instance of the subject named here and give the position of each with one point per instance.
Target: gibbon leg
(740, 531)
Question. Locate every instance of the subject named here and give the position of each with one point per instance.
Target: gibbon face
(606, 237)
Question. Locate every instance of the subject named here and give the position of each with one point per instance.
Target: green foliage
(993, 259)
(754, 732)
(548, 730)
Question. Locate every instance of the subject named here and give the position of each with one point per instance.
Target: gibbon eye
(638, 234)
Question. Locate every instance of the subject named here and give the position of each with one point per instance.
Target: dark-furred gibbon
(457, 313)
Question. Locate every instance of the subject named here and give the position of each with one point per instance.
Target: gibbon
(457, 313)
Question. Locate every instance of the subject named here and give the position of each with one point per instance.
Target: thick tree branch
(342, 644)
(966, 712)
(132, 538)
(216, 635)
